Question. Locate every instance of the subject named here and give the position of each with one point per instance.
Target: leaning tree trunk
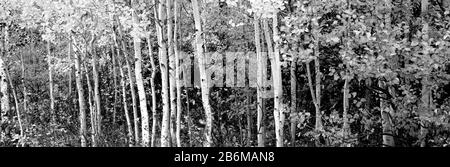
(203, 76)
(81, 102)
(16, 102)
(133, 91)
(50, 80)
(276, 77)
(125, 106)
(260, 87)
(114, 71)
(140, 82)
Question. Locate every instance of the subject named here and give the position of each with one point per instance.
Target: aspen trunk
(133, 91)
(153, 89)
(260, 85)
(163, 63)
(426, 99)
(91, 107)
(116, 96)
(96, 97)
(125, 107)
(172, 76)
(386, 110)
(346, 126)
(203, 77)
(50, 80)
(140, 83)
(3, 79)
(276, 75)
(132, 139)
(16, 102)
(249, 114)
(25, 108)
(277, 82)
(81, 102)
(177, 29)
(293, 101)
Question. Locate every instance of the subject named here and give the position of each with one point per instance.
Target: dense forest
(225, 73)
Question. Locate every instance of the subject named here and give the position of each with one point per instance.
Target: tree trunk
(96, 96)
(163, 63)
(116, 96)
(177, 8)
(133, 91)
(3, 80)
(426, 92)
(25, 108)
(50, 80)
(386, 110)
(203, 77)
(293, 101)
(125, 107)
(81, 102)
(153, 89)
(260, 86)
(16, 102)
(91, 107)
(172, 80)
(276, 75)
(140, 82)
(346, 126)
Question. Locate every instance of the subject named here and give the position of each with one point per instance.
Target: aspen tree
(139, 79)
(202, 66)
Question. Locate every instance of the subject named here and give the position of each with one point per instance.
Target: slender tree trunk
(172, 80)
(125, 103)
(311, 88)
(276, 75)
(346, 126)
(260, 86)
(163, 63)
(177, 8)
(81, 102)
(91, 107)
(293, 101)
(249, 97)
(96, 97)
(25, 108)
(133, 91)
(277, 82)
(318, 87)
(153, 89)
(116, 96)
(125, 107)
(50, 80)
(203, 77)
(386, 110)
(426, 99)
(16, 102)
(3, 79)
(140, 82)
